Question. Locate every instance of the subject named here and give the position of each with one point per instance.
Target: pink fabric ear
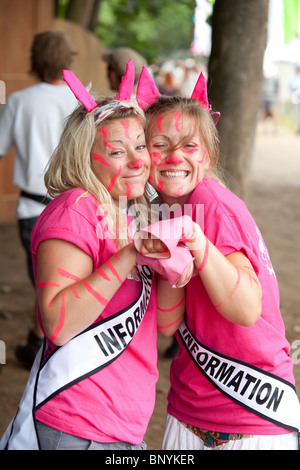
(127, 84)
(200, 92)
(79, 91)
(147, 91)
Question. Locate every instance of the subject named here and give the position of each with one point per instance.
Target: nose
(139, 163)
(175, 159)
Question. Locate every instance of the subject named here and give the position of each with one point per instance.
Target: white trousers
(178, 437)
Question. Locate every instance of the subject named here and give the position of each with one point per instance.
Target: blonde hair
(70, 164)
(204, 124)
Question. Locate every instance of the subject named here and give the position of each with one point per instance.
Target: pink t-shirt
(116, 403)
(192, 398)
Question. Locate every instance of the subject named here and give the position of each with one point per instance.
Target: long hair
(70, 165)
(204, 125)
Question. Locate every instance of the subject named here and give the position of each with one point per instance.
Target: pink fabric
(147, 91)
(116, 403)
(200, 92)
(192, 398)
(79, 91)
(173, 262)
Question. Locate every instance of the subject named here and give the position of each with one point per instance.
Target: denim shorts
(52, 439)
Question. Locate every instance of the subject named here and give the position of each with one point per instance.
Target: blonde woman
(93, 386)
(232, 383)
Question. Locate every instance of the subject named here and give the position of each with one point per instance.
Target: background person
(32, 121)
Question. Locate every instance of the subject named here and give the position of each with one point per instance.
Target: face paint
(100, 159)
(176, 174)
(103, 274)
(125, 125)
(205, 257)
(123, 166)
(113, 180)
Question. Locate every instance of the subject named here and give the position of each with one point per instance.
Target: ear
(127, 83)
(79, 91)
(200, 92)
(147, 91)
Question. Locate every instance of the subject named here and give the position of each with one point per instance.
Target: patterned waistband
(214, 438)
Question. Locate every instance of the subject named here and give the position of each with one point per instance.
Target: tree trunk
(83, 12)
(235, 68)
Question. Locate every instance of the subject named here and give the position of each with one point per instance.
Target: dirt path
(274, 203)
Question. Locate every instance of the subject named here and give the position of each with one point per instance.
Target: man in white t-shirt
(32, 121)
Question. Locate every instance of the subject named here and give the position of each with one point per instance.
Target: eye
(117, 153)
(141, 147)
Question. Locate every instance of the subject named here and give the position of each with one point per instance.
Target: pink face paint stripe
(47, 284)
(100, 159)
(205, 257)
(162, 327)
(137, 164)
(61, 319)
(105, 134)
(159, 123)
(233, 290)
(128, 190)
(114, 271)
(95, 294)
(112, 183)
(171, 309)
(125, 125)
(177, 117)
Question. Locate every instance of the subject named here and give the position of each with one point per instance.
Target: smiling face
(178, 163)
(120, 158)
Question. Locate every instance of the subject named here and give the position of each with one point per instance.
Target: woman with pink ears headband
(92, 385)
(232, 383)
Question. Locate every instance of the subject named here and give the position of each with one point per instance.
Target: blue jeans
(52, 439)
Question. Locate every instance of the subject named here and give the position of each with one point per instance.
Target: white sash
(81, 357)
(265, 394)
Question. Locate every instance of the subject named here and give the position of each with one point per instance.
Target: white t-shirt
(32, 120)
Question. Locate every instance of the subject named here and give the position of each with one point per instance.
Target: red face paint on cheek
(98, 158)
(128, 191)
(112, 183)
(160, 186)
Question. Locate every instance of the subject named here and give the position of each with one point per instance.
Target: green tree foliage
(155, 28)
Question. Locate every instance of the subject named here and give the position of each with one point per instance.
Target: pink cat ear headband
(147, 92)
(88, 102)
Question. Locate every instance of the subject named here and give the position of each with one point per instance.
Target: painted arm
(71, 297)
(230, 281)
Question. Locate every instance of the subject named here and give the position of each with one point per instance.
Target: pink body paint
(113, 270)
(47, 284)
(61, 319)
(103, 274)
(128, 190)
(160, 327)
(205, 257)
(95, 294)
(137, 164)
(172, 308)
(233, 290)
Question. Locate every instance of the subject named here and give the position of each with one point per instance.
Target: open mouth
(174, 174)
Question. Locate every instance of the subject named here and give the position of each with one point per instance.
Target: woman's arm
(70, 296)
(230, 281)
